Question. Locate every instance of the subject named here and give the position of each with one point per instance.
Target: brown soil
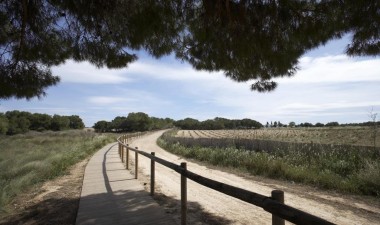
(54, 202)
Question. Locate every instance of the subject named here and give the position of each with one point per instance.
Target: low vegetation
(345, 168)
(34, 157)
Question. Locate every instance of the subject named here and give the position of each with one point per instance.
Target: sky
(329, 86)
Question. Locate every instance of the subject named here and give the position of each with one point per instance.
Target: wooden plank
(107, 199)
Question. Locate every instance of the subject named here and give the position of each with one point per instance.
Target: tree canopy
(133, 122)
(248, 40)
(217, 123)
(18, 122)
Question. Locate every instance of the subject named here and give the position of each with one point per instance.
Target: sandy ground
(53, 202)
(207, 206)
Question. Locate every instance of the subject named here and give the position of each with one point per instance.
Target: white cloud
(326, 106)
(162, 71)
(84, 72)
(339, 68)
(107, 100)
(45, 110)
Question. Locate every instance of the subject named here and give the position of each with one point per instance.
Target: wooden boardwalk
(111, 195)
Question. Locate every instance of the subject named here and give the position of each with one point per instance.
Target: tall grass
(347, 169)
(28, 159)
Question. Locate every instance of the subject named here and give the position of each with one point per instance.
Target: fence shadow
(196, 214)
(49, 211)
(126, 207)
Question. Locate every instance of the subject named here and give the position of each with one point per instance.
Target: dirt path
(217, 208)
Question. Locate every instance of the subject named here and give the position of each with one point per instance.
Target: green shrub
(369, 179)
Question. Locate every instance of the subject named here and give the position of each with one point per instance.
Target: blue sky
(329, 86)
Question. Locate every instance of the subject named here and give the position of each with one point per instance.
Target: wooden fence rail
(273, 204)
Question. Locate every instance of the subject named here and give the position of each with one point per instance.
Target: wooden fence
(273, 204)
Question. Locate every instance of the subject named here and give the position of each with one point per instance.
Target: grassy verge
(29, 159)
(352, 172)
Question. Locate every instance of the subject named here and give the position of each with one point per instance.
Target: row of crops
(352, 136)
(348, 168)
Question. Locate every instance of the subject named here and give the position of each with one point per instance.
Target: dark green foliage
(332, 124)
(261, 40)
(133, 122)
(159, 123)
(60, 123)
(40, 122)
(364, 22)
(17, 122)
(3, 124)
(102, 126)
(118, 123)
(248, 40)
(38, 34)
(137, 122)
(217, 124)
(306, 124)
(75, 122)
(25, 80)
(187, 124)
(319, 125)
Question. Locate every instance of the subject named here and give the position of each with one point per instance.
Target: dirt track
(337, 208)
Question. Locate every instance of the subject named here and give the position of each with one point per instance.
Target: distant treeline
(133, 122)
(329, 124)
(142, 122)
(18, 122)
(217, 124)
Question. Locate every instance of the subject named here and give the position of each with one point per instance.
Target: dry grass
(346, 168)
(29, 159)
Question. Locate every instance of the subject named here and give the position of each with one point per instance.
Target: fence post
(122, 153)
(183, 196)
(152, 175)
(136, 163)
(277, 195)
(127, 157)
(119, 150)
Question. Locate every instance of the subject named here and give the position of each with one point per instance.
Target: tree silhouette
(247, 40)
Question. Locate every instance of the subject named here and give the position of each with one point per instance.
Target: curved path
(223, 209)
(111, 195)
